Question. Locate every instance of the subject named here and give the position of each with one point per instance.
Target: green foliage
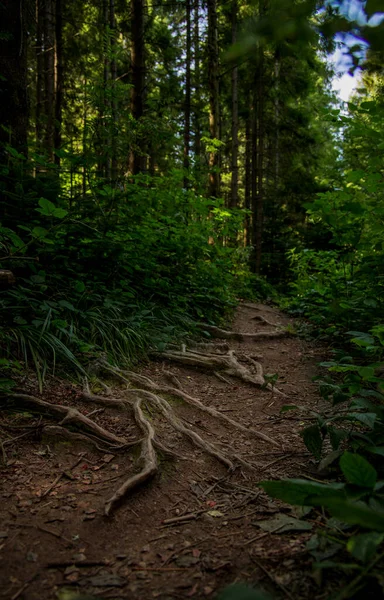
(119, 269)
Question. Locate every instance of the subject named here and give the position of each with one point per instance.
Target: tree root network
(142, 395)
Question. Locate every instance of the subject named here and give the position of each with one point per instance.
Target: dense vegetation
(160, 161)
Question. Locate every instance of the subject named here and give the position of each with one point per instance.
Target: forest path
(191, 530)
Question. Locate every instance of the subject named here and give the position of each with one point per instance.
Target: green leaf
(47, 208)
(301, 491)
(80, 286)
(313, 440)
(60, 213)
(364, 546)
(336, 436)
(357, 470)
(355, 513)
(367, 419)
(39, 233)
(282, 523)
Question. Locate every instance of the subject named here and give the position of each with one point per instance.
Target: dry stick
(187, 517)
(69, 415)
(149, 384)
(148, 455)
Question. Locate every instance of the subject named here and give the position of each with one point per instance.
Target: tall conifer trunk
(248, 178)
(59, 77)
(112, 26)
(235, 118)
(196, 80)
(214, 106)
(138, 160)
(259, 165)
(187, 106)
(39, 73)
(49, 77)
(106, 141)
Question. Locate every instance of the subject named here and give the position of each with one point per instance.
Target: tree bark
(248, 178)
(112, 26)
(258, 208)
(197, 100)
(138, 159)
(214, 107)
(14, 17)
(187, 106)
(59, 77)
(235, 118)
(49, 77)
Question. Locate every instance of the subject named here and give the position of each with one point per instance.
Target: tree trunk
(197, 101)
(187, 105)
(39, 73)
(248, 178)
(258, 208)
(49, 78)
(14, 18)
(214, 107)
(235, 119)
(106, 101)
(112, 26)
(59, 77)
(138, 160)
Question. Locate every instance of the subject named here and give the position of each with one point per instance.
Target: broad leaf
(313, 440)
(363, 546)
(357, 470)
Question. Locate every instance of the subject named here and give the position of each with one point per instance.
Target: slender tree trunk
(235, 119)
(13, 70)
(214, 107)
(107, 103)
(49, 76)
(248, 178)
(258, 209)
(254, 162)
(138, 160)
(196, 78)
(39, 73)
(59, 77)
(112, 26)
(187, 105)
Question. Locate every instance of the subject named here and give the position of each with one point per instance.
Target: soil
(196, 526)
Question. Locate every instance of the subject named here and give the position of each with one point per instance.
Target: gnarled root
(148, 384)
(216, 332)
(148, 455)
(67, 414)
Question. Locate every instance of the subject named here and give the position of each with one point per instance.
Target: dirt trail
(191, 530)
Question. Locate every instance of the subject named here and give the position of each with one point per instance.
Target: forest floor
(196, 526)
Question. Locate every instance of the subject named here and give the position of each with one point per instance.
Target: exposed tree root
(263, 320)
(148, 456)
(68, 415)
(148, 384)
(59, 432)
(148, 400)
(216, 332)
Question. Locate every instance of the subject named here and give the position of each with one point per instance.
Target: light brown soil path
(194, 527)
